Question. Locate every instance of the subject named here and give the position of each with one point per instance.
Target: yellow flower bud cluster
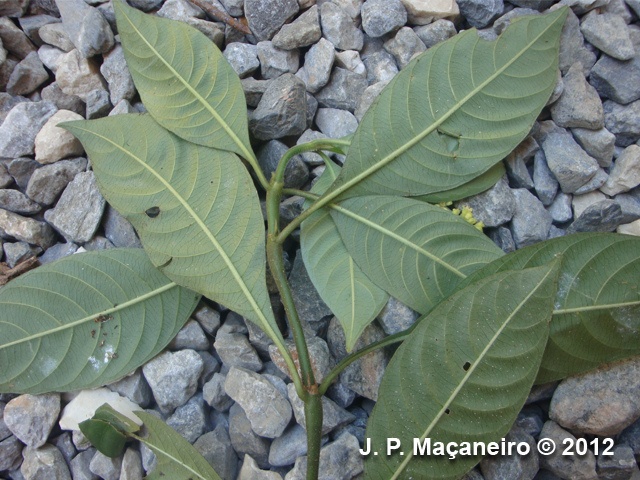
(466, 213)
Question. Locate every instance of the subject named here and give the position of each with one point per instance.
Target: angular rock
(620, 466)
(291, 445)
(49, 56)
(367, 99)
(350, 60)
(494, 207)
(480, 14)
(105, 467)
(365, 374)
(56, 34)
(32, 417)
(114, 70)
(242, 57)
(119, 230)
(302, 32)
(343, 90)
(336, 123)
(98, 104)
(560, 209)
(572, 47)
(5, 177)
(173, 378)
(190, 419)
(27, 229)
(566, 466)
(216, 448)
(27, 76)
(339, 29)
(134, 387)
(24, 121)
(45, 462)
(423, 12)
(602, 402)
(380, 17)
(18, 252)
(17, 202)
(311, 308)
(545, 183)
(21, 170)
(58, 251)
(215, 395)
(621, 120)
(208, 318)
(513, 466)
(275, 62)
(53, 143)
(404, 46)
(515, 163)
(396, 317)
(14, 8)
(46, 183)
(531, 222)
(581, 202)
(235, 351)
(10, 449)
(609, 33)
(122, 108)
(436, 32)
(604, 216)
(131, 466)
(597, 181)
(625, 173)
(265, 17)
(282, 111)
(253, 90)
(571, 165)
(78, 76)
(251, 471)
(381, 67)
(86, 26)
(333, 415)
(630, 207)
(317, 65)
(579, 105)
(190, 336)
(14, 39)
(84, 405)
(267, 410)
(78, 212)
(599, 144)
(244, 439)
(53, 93)
(321, 360)
(501, 24)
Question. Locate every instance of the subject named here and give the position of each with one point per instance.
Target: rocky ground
(314, 76)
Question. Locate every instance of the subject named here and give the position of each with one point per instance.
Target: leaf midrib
(91, 317)
(474, 365)
(218, 118)
(236, 275)
(399, 151)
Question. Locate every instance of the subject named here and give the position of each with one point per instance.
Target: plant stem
(313, 415)
(315, 145)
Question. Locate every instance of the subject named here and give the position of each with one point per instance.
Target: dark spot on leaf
(447, 411)
(153, 212)
(466, 366)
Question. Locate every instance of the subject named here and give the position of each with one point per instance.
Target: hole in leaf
(466, 366)
(152, 212)
(451, 141)
(447, 411)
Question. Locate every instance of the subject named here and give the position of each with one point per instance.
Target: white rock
(625, 173)
(78, 76)
(87, 402)
(581, 202)
(54, 143)
(423, 12)
(632, 228)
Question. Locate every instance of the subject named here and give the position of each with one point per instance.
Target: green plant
(492, 324)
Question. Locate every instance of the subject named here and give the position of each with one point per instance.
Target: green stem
(315, 145)
(313, 415)
(349, 359)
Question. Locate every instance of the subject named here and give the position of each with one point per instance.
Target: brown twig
(7, 273)
(222, 16)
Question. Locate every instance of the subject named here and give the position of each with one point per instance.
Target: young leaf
(86, 320)
(184, 81)
(350, 295)
(177, 458)
(195, 208)
(463, 374)
(597, 310)
(415, 251)
(107, 430)
(474, 187)
(454, 112)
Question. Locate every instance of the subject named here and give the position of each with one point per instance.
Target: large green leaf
(350, 295)
(195, 208)
(86, 320)
(474, 187)
(415, 251)
(454, 112)
(463, 374)
(184, 81)
(597, 310)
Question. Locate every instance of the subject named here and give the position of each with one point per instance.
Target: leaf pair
(108, 431)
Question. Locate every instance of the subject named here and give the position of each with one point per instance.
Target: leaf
(195, 209)
(463, 374)
(177, 458)
(416, 252)
(597, 311)
(454, 111)
(107, 430)
(350, 295)
(184, 81)
(86, 320)
(474, 187)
